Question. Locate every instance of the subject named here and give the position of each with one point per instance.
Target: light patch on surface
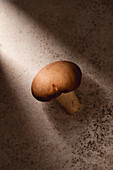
(26, 42)
(21, 58)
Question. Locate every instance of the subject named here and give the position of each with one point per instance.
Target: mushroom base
(69, 101)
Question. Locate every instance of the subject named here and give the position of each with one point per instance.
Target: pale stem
(69, 101)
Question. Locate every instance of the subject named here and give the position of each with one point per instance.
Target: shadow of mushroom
(88, 132)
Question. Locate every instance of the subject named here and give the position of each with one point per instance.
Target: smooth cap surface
(54, 79)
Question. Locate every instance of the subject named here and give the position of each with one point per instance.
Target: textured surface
(41, 136)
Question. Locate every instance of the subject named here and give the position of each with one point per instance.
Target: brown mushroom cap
(54, 79)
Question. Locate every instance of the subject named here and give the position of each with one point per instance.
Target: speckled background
(41, 136)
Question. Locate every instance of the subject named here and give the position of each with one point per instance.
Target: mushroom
(58, 81)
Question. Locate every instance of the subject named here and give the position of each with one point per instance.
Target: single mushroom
(58, 80)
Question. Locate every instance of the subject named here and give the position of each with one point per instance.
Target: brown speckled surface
(41, 136)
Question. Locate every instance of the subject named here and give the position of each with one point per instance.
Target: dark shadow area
(22, 139)
(16, 139)
(83, 27)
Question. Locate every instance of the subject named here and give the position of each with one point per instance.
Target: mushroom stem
(69, 101)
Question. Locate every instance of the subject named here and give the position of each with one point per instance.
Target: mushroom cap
(54, 79)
